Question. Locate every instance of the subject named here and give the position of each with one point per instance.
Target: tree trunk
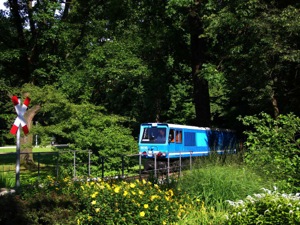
(201, 90)
(26, 157)
(275, 105)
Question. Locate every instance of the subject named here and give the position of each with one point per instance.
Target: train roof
(179, 126)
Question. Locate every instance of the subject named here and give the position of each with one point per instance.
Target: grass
(12, 149)
(210, 184)
(44, 159)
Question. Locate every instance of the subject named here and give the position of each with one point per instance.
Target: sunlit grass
(12, 149)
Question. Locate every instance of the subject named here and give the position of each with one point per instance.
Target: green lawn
(12, 149)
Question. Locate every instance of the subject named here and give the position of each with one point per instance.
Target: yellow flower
(125, 193)
(117, 189)
(132, 185)
(156, 208)
(141, 192)
(82, 187)
(97, 210)
(156, 186)
(142, 214)
(93, 202)
(170, 192)
(146, 206)
(164, 222)
(144, 181)
(95, 194)
(154, 197)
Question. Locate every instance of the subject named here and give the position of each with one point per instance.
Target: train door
(175, 142)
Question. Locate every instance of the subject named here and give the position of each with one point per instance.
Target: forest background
(95, 70)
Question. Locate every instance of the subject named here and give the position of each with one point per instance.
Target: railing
(84, 163)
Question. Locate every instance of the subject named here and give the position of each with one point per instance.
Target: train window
(189, 139)
(171, 136)
(178, 136)
(154, 135)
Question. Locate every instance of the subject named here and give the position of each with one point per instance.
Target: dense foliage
(274, 146)
(95, 70)
(155, 61)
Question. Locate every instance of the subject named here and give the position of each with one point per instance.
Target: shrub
(270, 207)
(273, 146)
(137, 202)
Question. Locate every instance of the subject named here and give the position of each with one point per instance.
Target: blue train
(173, 141)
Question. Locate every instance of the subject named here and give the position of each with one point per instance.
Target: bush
(273, 146)
(270, 207)
(136, 202)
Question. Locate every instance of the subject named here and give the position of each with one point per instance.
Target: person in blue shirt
(161, 138)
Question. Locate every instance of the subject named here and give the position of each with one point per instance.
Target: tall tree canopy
(182, 61)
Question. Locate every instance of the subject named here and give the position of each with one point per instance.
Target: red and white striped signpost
(15, 129)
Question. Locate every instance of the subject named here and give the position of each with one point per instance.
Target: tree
(189, 17)
(255, 44)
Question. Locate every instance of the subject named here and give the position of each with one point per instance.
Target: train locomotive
(164, 142)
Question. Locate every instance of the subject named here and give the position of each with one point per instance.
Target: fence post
(57, 165)
(155, 166)
(74, 172)
(191, 160)
(168, 166)
(102, 161)
(122, 165)
(140, 165)
(180, 165)
(38, 165)
(89, 166)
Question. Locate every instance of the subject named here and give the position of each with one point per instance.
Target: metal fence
(76, 163)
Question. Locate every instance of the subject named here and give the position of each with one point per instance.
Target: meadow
(203, 195)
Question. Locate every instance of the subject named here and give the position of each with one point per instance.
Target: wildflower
(117, 189)
(154, 197)
(146, 206)
(141, 192)
(144, 181)
(97, 210)
(125, 193)
(94, 194)
(93, 202)
(164, 222)
(132, 185)
(142, 214)
(156, 186)
(170, 192)
(156, 208)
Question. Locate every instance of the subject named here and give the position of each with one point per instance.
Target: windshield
(154, 135)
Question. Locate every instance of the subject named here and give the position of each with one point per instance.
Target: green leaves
(273, 146)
